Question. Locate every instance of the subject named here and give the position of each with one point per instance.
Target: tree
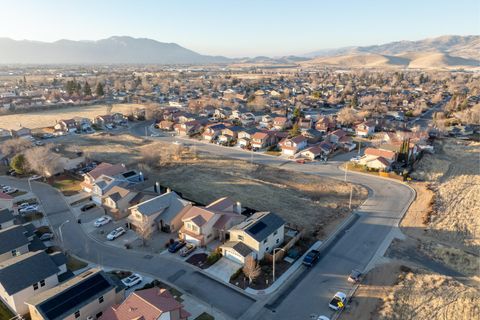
(295, 131)
(87, 91)
(297, 113)
(43, 161)
(346, 116)
(251, 269)
(99, 90)
(18, 164)
(144, 230)
(11, 147)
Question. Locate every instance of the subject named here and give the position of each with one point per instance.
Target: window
(278, 240)
(268, 249)
(265, 241)
(275, 233)
(35, 286)
(239, 237)
(14, 252)
(42, 283)
(77, 314)
(100, 300)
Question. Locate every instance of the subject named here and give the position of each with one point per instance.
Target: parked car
(354, 276)
(132, 280)
(46, 236)
(88, 206)
(114, 234)
(11, 190)
(338, 301)
(355, 159)
(24, 205)
(102, 221)
(155, 134)
(35, 177)
(28, 209)
(311, 258)
(323, 318)
(189, 248)
(176, 245)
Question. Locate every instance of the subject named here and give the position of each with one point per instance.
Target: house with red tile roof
(281, 123)
(153, 303)
(377, 158)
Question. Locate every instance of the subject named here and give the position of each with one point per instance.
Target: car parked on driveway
(176, 245)
(338, 301)
(46, 236)
(189, 248)
(29, 209)
(88, 206)
(114, 234)
(102, 221)
(132, 280)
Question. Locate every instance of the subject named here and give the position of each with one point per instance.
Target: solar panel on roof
(67, 300)
(256, 228)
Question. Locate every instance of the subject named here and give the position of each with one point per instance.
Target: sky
(237, 28)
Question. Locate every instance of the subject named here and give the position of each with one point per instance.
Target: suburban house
(261, 233)
(281, 123)
(305, 124)
(325, 125)
(188, 128)
(312, 135)
(166, 125)
(103, 168)
(67, 126)
(28, 275)
(82, 124)
(213, 131)
(365, 129)
(6, 201)
(153, 303)
(262, 140)
(312, 152)
(380, 159)
(85, 296)
(201, 225)
(14, 241)
(104, 120)
(105, 182)
(245, 136)
(266, 121)
(164, 212)
(117, 200)
(336, 135)
(22, 132)
(6, 219)
(291, 146)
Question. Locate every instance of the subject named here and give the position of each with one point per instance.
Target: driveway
(223, 269)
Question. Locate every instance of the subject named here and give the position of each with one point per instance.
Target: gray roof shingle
(23, 271)
(170, 203)
(261, 224)
(12, 238)
(5, 216)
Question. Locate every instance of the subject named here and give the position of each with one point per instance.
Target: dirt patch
(423, 295)
(48, 118)
(375, 286)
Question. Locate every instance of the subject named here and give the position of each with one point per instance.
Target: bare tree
(11, 147)
(251, 269)
(43, 161)
(144, 230)
(347, 116)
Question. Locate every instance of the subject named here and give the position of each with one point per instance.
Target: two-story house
(153, 303)
(201, 225)
(281, 123)
(103, 168)
(290, 146)
(86, 296)
(261, 233)
(117, 200)
(164, 212)
(365, 129)
(262, 140)
(188, 128)
(104, 120)
(67, 126)
(14, 241)
(28, 275)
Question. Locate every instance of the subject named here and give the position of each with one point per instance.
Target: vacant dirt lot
(47, 118)
(310, 202)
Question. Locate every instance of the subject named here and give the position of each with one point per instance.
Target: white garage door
(193, 240)
(232, 255)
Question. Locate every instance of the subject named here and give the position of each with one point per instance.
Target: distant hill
(459, 46)
(114, 50)
(447, 52)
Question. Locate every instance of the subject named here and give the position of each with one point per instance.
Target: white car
(132, 280)
(11, 190)
(23, 205)
(35, 177)
(102, 221)
(323, 318)
(28, 209)
(116, 233)
(155, 134)
(355, 159)
(338, 301)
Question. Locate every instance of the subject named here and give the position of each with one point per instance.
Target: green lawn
(75, 264)
(67, 186)
(5, 313)
(204, 316)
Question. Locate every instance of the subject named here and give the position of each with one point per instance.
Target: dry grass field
(310, 202)
(48, 118)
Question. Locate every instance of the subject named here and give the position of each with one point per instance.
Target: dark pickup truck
(311, 258)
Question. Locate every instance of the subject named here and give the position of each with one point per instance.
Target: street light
(60, 230)
(274, 250)
(346, 170)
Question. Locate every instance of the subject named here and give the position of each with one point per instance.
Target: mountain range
(448, 52)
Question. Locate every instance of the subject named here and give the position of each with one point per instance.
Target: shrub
(236, 274)
(213, 257)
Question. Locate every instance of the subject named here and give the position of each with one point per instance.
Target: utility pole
(346, 170)
(351, 194)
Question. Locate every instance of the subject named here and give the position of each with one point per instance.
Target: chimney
(168, 190)
(238, 207)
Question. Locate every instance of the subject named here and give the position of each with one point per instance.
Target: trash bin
(79, 221)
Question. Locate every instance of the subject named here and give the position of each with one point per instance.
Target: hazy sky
(241, 27)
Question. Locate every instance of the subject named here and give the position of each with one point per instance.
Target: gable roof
(6, 215)
(67, 297)
(145, 304)
(23, 271)
(221, 204)
(12, 238)
(240, 247)
(169, 204)
(117, 192)
(260, 225)
(107, 169)
(387, 154)
(198, 215)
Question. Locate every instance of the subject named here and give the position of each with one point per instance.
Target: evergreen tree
(18, 163)
(295, 131)
(99, 89)
(78, 87)
(87, 91)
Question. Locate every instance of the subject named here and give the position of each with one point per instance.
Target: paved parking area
(223, 269)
